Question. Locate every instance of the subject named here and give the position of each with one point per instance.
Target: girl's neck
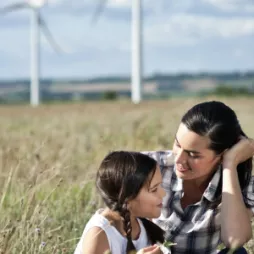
(117, 221)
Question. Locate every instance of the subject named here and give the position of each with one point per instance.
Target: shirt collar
(211, 190)
(177, 183)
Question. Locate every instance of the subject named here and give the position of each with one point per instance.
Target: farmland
(49, 156)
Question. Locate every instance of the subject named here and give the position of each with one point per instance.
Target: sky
(178, 36)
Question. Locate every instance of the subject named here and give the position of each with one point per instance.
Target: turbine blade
(49, 36)
(13, 7)
(98, 11)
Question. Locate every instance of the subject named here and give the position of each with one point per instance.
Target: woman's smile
(182, 169)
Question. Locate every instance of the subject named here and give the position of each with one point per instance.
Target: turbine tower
(136, 48)
(37, 23)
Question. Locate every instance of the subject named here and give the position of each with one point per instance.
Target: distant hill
(160, 85)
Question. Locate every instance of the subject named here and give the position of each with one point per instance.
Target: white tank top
(117, 242)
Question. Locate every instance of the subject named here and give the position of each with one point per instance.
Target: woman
(130, 185)
(207, 177)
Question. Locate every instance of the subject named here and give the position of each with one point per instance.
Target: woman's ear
(222, 154)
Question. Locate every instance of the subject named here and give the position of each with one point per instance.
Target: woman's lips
(181, 168)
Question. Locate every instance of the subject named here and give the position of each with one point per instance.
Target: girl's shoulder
(95, 241)
(97, 235)
(98, 219)
(94, 238)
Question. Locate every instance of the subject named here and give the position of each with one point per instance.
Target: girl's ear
(129, 205)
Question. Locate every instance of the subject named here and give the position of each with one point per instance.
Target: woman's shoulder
(163, 157)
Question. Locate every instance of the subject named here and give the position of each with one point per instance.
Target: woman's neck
(117, 221)
(200, 184)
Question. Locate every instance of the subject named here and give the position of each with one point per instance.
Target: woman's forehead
(190, 140)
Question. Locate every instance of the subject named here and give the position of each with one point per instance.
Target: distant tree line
(119, 79)
(229, 91)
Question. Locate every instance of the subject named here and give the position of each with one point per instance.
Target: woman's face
(148, 203)
(193, 158)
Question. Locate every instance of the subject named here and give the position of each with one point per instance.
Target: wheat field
(49, 156)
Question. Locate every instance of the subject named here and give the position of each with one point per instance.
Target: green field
(49, 157)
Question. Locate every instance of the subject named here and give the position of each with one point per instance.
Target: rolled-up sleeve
(248, 195)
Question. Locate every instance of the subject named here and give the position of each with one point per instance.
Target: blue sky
(179, 36)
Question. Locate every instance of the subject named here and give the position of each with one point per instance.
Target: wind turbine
(37, 23)
(137, 47)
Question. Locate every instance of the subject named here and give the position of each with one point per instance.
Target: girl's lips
(160, 205)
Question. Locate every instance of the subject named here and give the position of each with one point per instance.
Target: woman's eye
(192, 155)
(176, 144)
(154, 190)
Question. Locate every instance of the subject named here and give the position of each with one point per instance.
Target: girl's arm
(235, 217)
(95, 242)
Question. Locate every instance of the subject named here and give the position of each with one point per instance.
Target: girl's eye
(154, 190)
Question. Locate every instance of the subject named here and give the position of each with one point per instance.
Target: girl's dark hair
(219, 123)
(119, 179)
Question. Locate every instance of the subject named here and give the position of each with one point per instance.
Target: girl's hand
(154, 249)
(240, 152)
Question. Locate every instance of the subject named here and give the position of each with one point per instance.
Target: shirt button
(173, 230)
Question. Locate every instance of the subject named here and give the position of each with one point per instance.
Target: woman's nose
(180, 156)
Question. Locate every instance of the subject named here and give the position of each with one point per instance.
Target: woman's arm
(235, 217)
(95, 242)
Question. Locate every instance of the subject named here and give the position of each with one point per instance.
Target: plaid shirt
(196, 229)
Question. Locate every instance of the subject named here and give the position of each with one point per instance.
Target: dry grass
(49, 156)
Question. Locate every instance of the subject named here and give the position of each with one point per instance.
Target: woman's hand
(240, 152)
(154, 249)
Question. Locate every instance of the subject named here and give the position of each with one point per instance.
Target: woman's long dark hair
(219, 123)
(119, 179)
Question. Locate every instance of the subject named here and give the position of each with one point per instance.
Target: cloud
(232, 5)
(85, 3)
(238, 52)
(179, 28)
(119, 3)
(186, 29)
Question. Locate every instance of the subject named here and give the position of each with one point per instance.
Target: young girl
(130, 185)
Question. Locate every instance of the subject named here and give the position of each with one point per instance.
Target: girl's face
(148, 203)
(193, 158)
